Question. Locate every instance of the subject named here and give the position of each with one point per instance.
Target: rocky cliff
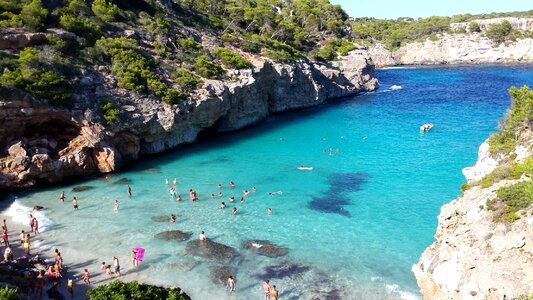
(455, 49)
(43, 144)
(474, 256)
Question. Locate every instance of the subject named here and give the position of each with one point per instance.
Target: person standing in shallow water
(274, 293)
(231, 284)
(133, 257)
(202, 237)
(75, 203)
(129, 191)
(62, 196)
(266, 289)
(116, 205)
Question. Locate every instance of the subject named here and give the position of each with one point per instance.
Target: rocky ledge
(474, 257)
(43, 144)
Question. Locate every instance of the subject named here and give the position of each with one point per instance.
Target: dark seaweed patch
(333, 200)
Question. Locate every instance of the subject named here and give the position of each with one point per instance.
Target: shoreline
(73, 264)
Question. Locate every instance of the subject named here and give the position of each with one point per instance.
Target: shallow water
(353, 225)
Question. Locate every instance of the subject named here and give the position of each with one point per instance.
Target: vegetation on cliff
(396, 33)
(156, 47)
(134, 290)
(512, 200)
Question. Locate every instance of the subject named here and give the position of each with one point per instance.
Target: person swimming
(232, 199)
(220, 194)
(222, 205)
(245, 193)
(269, 211)
(172, 218)
(219, 186)
(232, 184)
(178, 198)
(275, 193)
(234, 211)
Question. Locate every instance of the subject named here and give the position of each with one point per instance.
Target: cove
(353, 225)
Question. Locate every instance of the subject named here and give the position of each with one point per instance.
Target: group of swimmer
(193, 196)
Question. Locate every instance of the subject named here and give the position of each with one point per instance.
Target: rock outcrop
(473, 256)
(454, 49)
(45, 144)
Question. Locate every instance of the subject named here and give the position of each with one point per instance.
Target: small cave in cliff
(53, 135)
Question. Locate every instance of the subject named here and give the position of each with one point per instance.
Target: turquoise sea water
(353, 225)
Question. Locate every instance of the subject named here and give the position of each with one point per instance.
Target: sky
(392, 9)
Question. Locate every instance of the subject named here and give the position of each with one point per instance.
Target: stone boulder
(266, 248)
(211, 251)
(173, 235)
(220, 274)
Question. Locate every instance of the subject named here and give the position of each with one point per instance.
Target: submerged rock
(220, 274)
(265, 248)
(82, 188)
(161, 218)
(282, 270)
(38, 207)
(211, 251)
(173, 235)
(123, 180)
(181, 266)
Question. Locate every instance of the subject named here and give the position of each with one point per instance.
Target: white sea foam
(395, 87)
(396, 68)
(376, 278)
(21, 214)
(395, 289)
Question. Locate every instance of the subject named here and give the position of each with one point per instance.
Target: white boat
(426, 127)
(304, 168)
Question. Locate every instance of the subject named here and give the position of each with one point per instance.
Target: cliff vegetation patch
(512, 201)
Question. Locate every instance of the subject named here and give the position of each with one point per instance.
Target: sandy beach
(74, 262)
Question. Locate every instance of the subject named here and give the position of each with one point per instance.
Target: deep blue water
(354, 224)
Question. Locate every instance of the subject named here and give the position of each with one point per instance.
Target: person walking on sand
(5, 238)
(35, 226)
(86, 277)
(62, 196)
(22, 236)
(231, 284)
(274, 293)
(266, 289)
(32, 220)
(116, 266)
(75, 203)
(26, 244)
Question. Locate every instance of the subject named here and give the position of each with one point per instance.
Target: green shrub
(186, 80)
(133, 70)
(10, 19)
(519, 115)
(474, 27)
(232, 59)
(499, 33)
(110, 111)
(498, 174)
(132, 290)
(32, 76)
(326, 53)
(7, 293)
(105, 11)
(514, 198)
(81, 26)
(34, 15)
(205, 67)
(465, 186)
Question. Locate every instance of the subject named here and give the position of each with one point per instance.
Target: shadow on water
(333, 201)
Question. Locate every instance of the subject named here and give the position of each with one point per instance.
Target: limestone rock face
(45, 144)
(475, 258)
(464, 48)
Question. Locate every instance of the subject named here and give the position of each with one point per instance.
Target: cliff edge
(483, 246)
(45, 144)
